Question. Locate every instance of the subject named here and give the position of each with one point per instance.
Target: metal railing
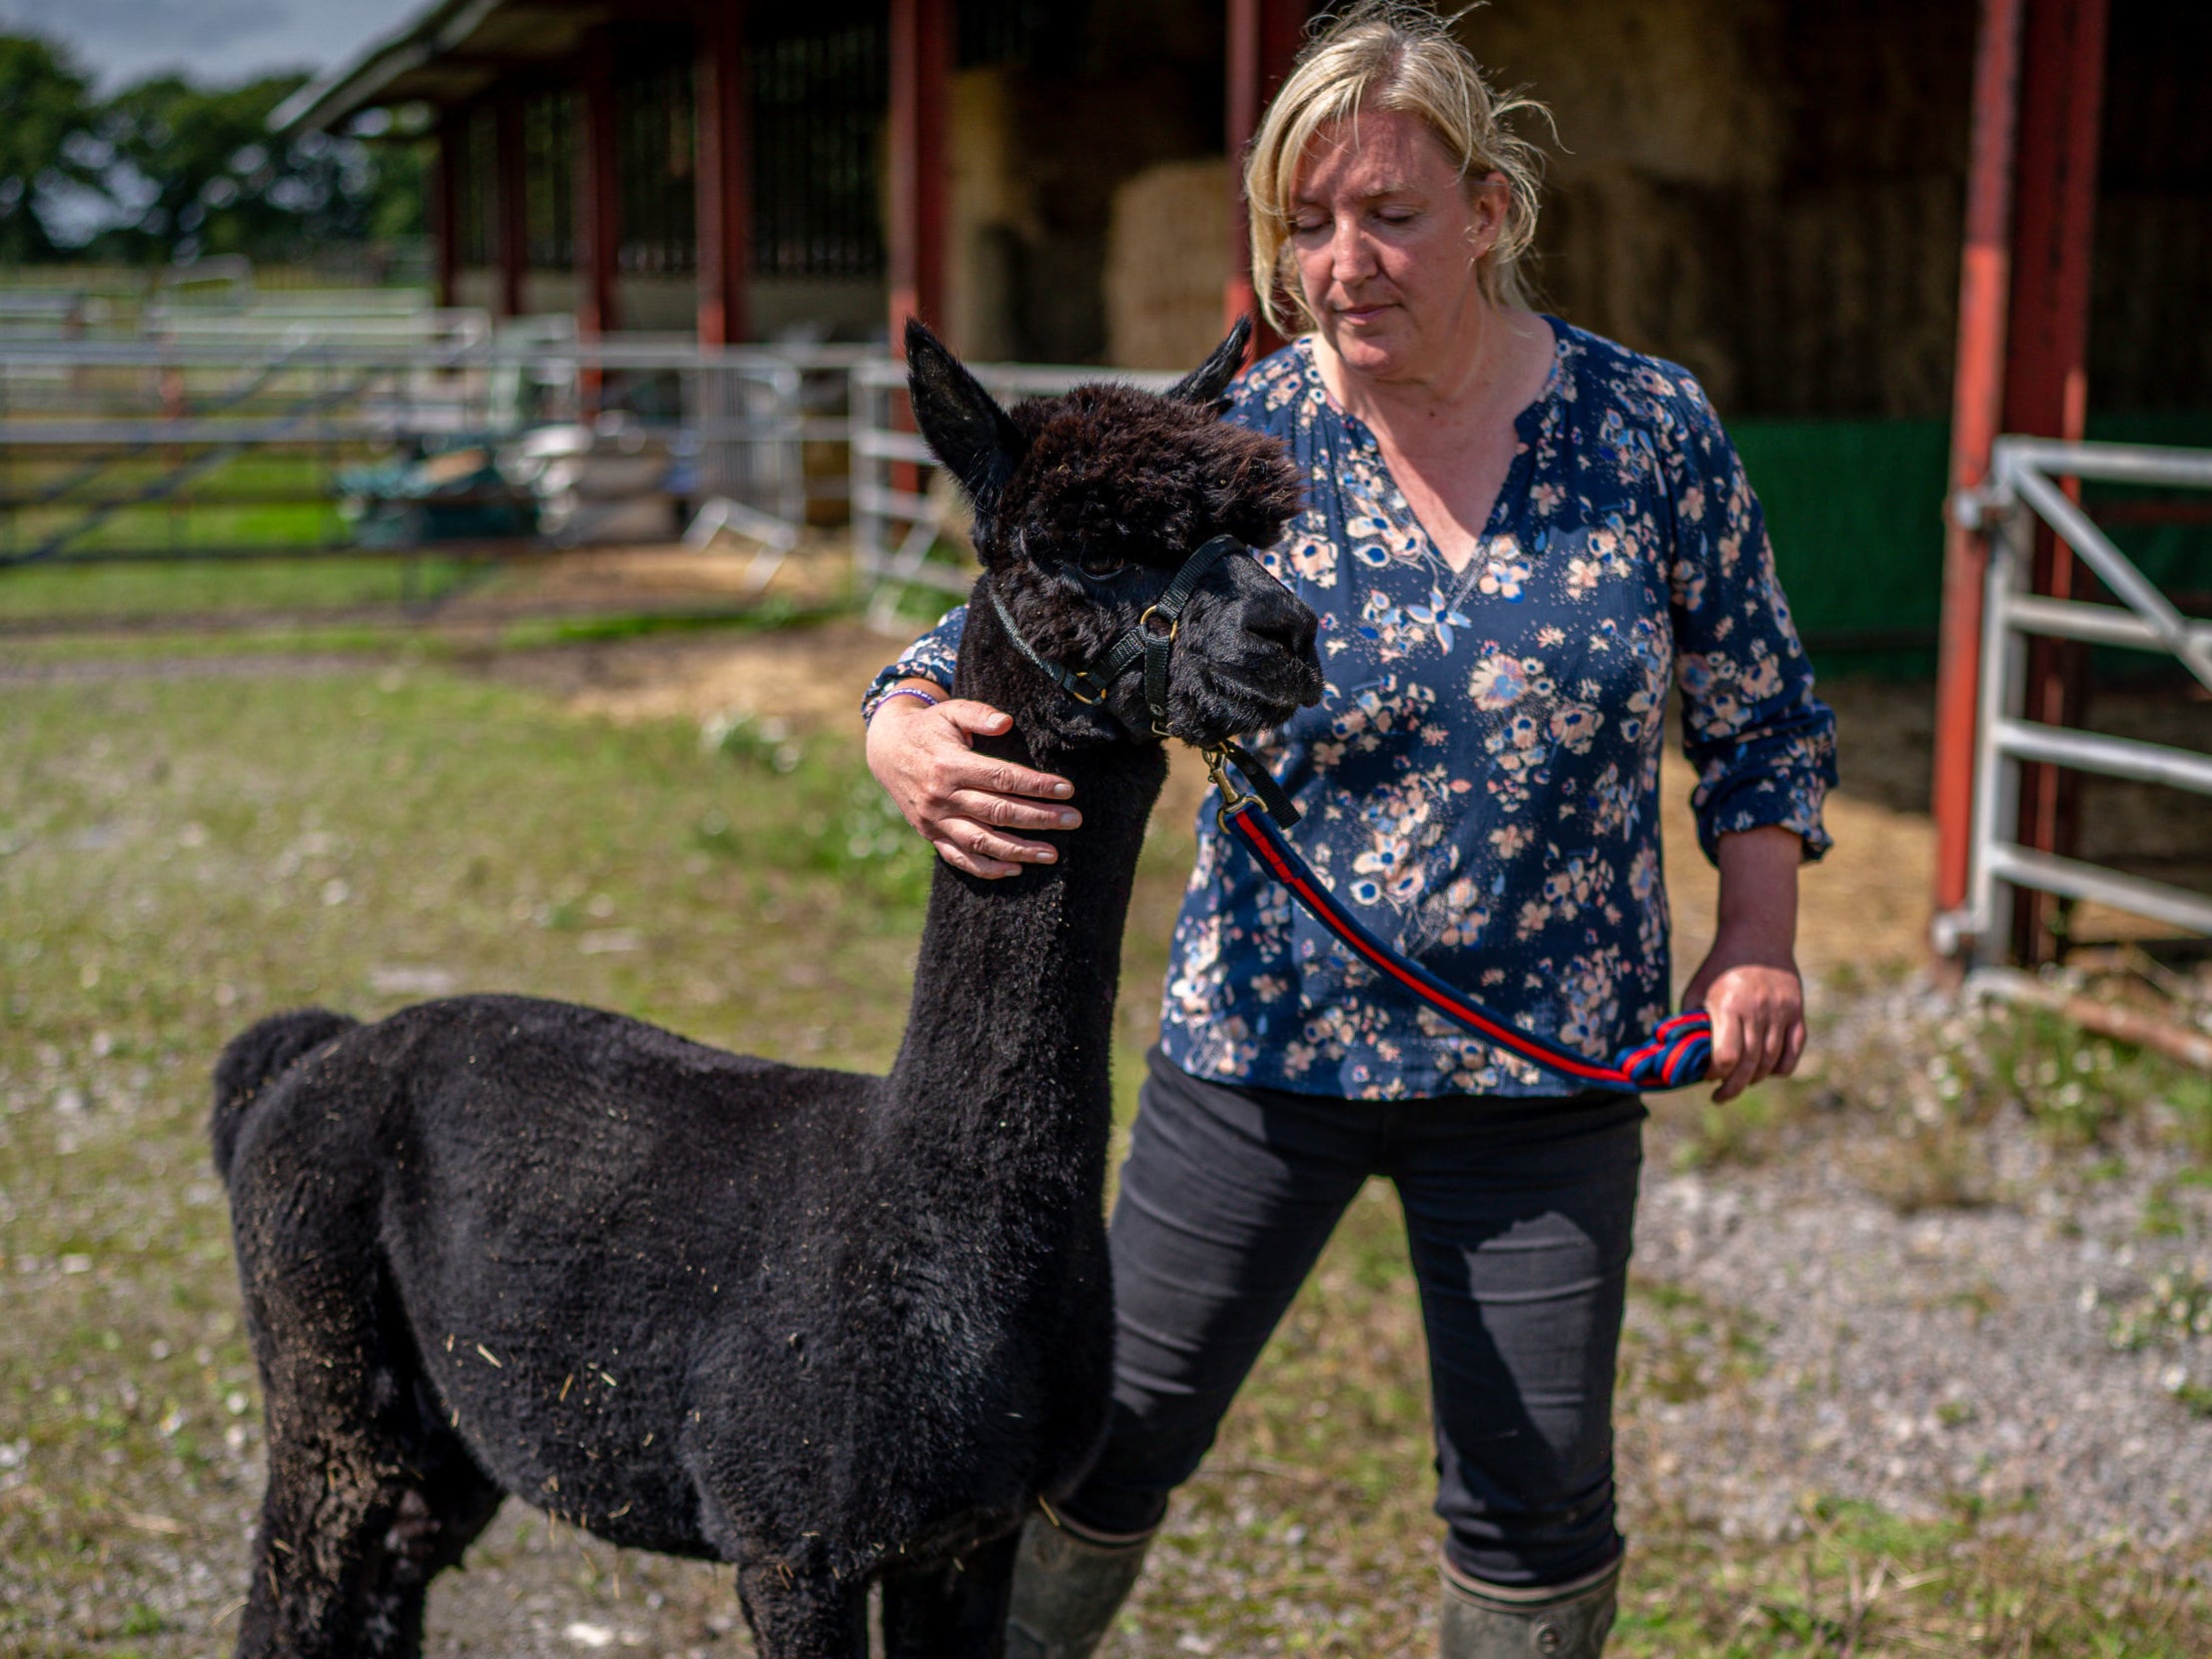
(92, 428)
(762, 425)
(899, 525)
(2022, 488)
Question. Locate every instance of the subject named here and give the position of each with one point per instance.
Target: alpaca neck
(1003, 1077)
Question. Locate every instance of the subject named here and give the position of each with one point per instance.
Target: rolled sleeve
(932, 657)
(1763, 744)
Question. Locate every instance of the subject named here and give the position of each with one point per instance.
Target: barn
(1878, 233)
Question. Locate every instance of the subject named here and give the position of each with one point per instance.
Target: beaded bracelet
(902, 691)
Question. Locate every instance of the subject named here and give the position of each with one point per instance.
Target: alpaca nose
(1286, 620)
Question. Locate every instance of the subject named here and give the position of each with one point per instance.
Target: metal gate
(94, 431)
(2022, 488)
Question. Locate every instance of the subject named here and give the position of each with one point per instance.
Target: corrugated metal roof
(450, 50)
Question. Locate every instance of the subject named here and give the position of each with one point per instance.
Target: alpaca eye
(1100, 566)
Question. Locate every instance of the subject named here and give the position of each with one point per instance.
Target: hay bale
(1165, 259)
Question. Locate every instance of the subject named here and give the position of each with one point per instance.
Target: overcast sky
(211, 40)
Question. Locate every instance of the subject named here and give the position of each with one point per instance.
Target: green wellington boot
(1564, 1621)
(1067, 1585)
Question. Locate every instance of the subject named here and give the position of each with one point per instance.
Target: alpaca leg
(956, 1611)
(318, 1551)
(368, 1492)
(335, 1472)
(803, 1614)
(437, 1517)
(353, 1530)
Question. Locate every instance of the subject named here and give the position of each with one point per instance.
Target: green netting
(1855, 508)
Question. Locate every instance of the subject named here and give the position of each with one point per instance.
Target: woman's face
(1386, 238)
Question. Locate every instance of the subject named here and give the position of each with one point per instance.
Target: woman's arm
(1764, 746)
(963, 803)
(923, 753)
(1748, 979)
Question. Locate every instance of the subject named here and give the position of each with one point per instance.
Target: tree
(204, 174)
(201, 173)
(168, 170)
(44, 143)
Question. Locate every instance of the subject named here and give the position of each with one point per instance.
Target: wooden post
(723, 175)
(598, 195)
(1263, 41)
(921, 51)
(1985, 282)
(512, 202)
(444, 208)
(2046, 383)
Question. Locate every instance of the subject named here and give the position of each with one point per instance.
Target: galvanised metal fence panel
(2023, 489)
(91, 430)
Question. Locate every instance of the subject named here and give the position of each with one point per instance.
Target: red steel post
(445, 207)
(1263, 39)
(598, 193)
(2046, 374)
(1977, 404)
(921, 54)
(511, 171)
(724, 174)
(920, 62)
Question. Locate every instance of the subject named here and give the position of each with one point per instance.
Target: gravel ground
(1957, 1358)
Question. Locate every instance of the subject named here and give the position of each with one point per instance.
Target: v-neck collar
(1528, 429)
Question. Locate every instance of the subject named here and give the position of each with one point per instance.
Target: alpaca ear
(961, 422)
(1204, 384)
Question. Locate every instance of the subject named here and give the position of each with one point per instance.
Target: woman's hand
(1749, 980)
(964, 803)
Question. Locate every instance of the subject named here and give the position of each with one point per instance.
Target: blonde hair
(1402, 57)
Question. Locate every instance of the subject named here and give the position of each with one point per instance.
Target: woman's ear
(1487, 201)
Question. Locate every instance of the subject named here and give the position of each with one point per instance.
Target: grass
(270, 498)
(182, 858)
(178, 858)
(1745, 1132)
(83, 592)
(275, 525)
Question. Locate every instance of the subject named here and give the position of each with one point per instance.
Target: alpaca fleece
(830, 1328)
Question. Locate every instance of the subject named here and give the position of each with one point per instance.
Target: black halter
(1154, 638)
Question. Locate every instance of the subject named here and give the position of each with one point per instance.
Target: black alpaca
(830, 1328)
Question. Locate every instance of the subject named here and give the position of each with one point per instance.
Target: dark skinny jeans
(1518, 1213)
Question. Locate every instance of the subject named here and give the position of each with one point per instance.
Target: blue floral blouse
(1480, 779)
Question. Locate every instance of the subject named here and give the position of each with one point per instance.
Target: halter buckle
(1233, 799)
(1175, 625)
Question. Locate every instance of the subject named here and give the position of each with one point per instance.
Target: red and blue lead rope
(1675, 1054)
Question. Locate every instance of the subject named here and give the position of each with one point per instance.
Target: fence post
(1976, 402)
(2047, 381)
(858, 515)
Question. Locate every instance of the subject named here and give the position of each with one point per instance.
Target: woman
(1516, 533)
